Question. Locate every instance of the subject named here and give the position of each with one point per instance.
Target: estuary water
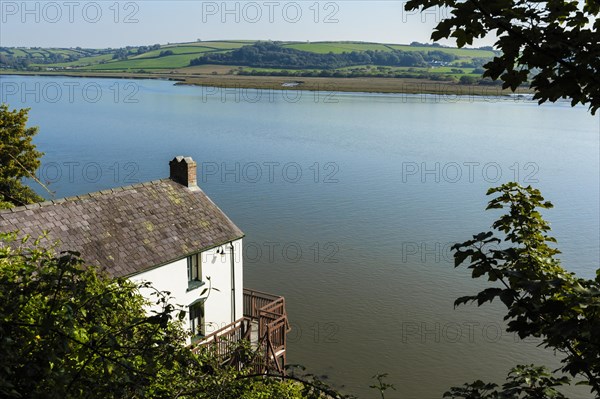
(349, 202)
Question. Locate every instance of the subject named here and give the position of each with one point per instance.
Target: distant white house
(167, 232)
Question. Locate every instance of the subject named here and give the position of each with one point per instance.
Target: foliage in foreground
(68, 331)
(18, 158)
(528, 382)
(542, 299)
(554, 43)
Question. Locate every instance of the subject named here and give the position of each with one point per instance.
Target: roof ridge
(129, 229)
(82, 196)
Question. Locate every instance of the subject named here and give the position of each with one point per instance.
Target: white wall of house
(218, 306)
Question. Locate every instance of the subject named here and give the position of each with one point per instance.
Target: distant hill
(275, 55)
(260, 58)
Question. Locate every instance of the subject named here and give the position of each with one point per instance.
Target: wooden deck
(264, 325)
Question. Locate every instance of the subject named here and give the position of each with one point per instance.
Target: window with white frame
(195, 271)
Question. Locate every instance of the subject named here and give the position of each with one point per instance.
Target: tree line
(9, 59)
(274, 55)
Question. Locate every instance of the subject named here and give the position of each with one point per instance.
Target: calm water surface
(349, 203)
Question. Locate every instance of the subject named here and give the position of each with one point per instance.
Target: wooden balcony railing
(221, 339)
(269, 311)
(265, 314)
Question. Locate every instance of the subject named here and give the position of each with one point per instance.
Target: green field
(68, 52)
(15, 52)
(170, 62)
(176, 50)
(341, 47)
(459, 52)
(222, 45)
(183, 53)
(80, 62)
(38, 53)
(336, 47)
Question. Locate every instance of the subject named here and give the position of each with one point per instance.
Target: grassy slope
(336, 47)
(340, 47)
(459, 52)
(80, 62)
(184, 52)
(169, 62)
(15, 51)
(176, 51)
(226, 44)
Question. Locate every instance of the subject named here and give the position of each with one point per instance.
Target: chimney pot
(183, 171)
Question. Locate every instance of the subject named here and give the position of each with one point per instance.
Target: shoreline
(367, 85)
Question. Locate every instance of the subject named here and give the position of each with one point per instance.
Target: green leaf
(507, 297)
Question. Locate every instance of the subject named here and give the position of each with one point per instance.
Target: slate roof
(129, 229)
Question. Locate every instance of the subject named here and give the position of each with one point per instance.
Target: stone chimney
(183, 171)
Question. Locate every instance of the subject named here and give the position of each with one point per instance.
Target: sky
(101, 24)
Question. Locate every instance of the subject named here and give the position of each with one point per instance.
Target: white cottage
(167, 232)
